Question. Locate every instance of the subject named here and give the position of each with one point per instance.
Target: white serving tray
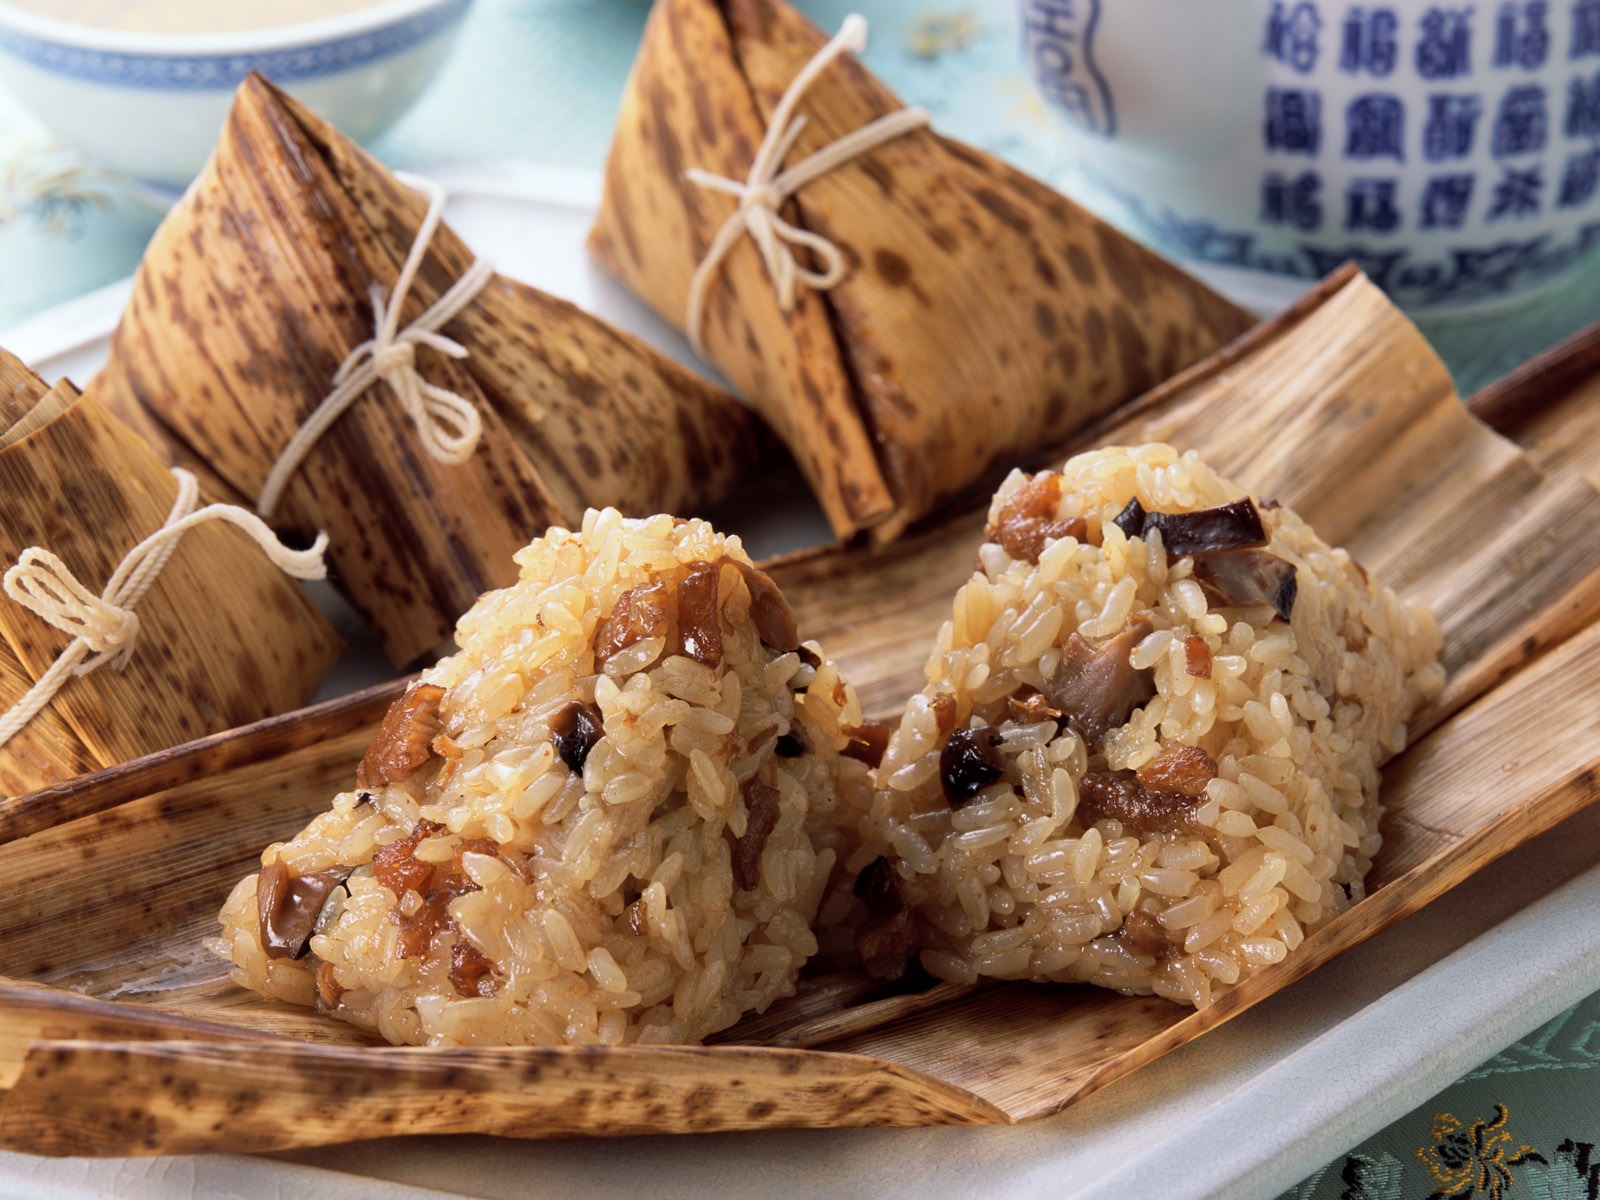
(1244, 1111)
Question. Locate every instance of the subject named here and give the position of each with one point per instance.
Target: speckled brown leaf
(224, 636)
(983, 315)
(686, 104)
(46, 751)
(111, 1002)
(254, 290)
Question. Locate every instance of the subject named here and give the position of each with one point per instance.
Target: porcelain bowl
(152, 104)
(1452, 149)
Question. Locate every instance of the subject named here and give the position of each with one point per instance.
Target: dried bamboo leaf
(45, 751)
(604, 420)
(1427, 496)
(256, 288)
(225, 637)
(22, 816)
(1496, 774)
(312, 1095)
(20, 390)
(1551, 406)
(982, 313)
(1343, 412)
(1494, 771)
(47, 408)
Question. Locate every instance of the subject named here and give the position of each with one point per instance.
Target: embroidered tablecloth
(540, 81)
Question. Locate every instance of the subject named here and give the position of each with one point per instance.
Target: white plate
(1245, 1111)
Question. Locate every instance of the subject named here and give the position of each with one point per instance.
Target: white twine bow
(447, 424)
(104, 627)
(765, 189)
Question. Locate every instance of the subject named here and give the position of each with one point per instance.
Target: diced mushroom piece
(699, 615)
(1120, 796)
(418, 929)
(1184, 770)
(640, 612)
(1131, 519)
(638, 919)
(405, 739)
(770, 612)
(1196, 657)
(1247, 577)
(397, 867)
(329, 990)
(471, 972)
(867, 743)
(885, 943)
(789, 745)
(761, 811)
(575, 730)
(1096, 688)
(287, 906)
(1027, 523)
(1233, 526)
(1143, 934)
(1030, 706)
(970, 762)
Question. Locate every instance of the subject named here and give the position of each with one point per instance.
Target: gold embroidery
(1472, 1160)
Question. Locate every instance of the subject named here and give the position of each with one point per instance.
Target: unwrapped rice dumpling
(1147, 754)
(611, 817)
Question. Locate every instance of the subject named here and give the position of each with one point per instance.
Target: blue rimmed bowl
(152, 104)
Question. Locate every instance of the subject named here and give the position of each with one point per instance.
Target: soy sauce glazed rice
(1127, 767)
(610, 818)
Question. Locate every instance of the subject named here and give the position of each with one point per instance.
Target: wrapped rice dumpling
(208, 634)
(913, 318)
(290, 252)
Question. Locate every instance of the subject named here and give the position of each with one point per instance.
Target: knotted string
(103, 628)
(765, 189)
(448, 425)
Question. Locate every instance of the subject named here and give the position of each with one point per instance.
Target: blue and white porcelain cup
(1451, 149)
